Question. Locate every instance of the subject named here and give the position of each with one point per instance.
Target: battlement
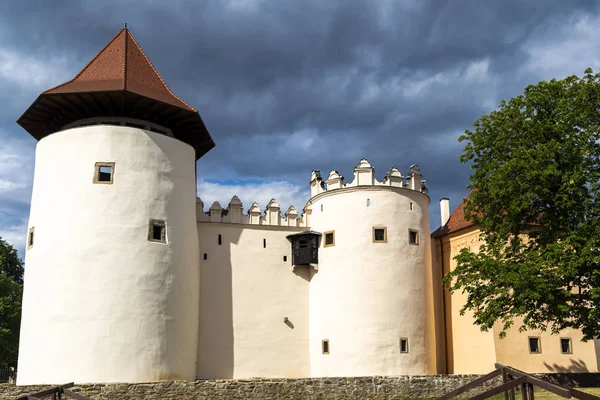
(234, 214)
(364, 175)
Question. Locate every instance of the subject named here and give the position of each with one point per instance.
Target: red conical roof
(122, 65)
(119, 81)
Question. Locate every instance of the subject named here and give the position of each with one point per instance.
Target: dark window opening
(265, 243)
(565, 346)
(104, 172)
(379, 235)
(157, 231)
(30, 237)
(329, 238)
(534, 345)
(411, 206)
(413, 237)
(404, 345)
(325, 346)
(368, 202)
(284, 258)
(220, 239)
(205, 256)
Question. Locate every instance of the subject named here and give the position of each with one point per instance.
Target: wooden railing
(513, 378)
(55, 393)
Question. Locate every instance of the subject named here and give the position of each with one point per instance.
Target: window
(565, 346)
(410, 205)
(220, 241)
(325, 346)
(403, 345)
(321, 207)
(265, 243)
(284, 258)
(413, 237)
(104, 172)
(534, 345)
(205, 256)
(30, 237)
(157, 231)
(368, 202)
(305, 248)
(379, 235)
(329, 239)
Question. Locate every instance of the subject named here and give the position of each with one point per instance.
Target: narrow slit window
(104, 172)
(30, 237)
(284, 258)
(325, 346)
(329, 238)
(205, 256)
(379, 235)
(534, 345)
(565, 346)
(413, 237)
(321, 207)
(220, 241)
(368, 202)
(410, 205)
(157, 231)
(403, 345)
(265, 243)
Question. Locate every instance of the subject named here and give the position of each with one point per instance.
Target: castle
(129, 279)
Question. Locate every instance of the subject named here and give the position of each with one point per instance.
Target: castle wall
(471, 351)
(367, 296)
(246, 291)
(101, 302)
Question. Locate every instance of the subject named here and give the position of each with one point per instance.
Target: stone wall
(378, 387)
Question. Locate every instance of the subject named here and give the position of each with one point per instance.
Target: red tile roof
(121, 65)
(120, 81)
(456, 221)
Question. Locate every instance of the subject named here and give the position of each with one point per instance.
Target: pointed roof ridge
(119, 81)
(87, 65)
(123, 73)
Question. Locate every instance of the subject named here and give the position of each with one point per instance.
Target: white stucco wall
(366, 296)
(101, 302)
(246, 291)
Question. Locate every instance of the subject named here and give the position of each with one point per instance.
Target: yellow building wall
(469, 350)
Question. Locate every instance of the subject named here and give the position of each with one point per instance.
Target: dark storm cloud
(285, 87)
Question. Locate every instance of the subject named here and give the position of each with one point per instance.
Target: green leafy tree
(535, 197)
(11, 292)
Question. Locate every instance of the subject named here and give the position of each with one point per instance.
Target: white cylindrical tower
(111, 277)
(371, 307)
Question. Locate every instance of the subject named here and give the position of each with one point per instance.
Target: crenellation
(234, 214)
(334, 181)
(364, 175)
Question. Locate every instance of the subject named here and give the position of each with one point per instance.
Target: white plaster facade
(101, 302)
(221, 298)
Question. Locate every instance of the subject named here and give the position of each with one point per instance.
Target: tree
(535, 198)
(11, 293)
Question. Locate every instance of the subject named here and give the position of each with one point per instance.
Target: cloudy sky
(287, 86)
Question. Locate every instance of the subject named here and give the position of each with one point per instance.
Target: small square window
(535, 345)
(565, 346)
(30, 237)
(403, 345)
(157, 231)
(104, 172)
(379, 235)
(325, 346)
(413, 237)
(329, 239)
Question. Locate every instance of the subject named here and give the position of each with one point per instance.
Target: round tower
(371, 310)
(111, 280)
